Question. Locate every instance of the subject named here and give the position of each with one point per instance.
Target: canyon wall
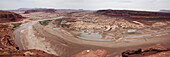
(6, 16)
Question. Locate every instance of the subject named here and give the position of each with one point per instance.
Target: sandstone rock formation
(140, 16)
(40, 10)
(6, 16)
(6, 39)
(91, 53)
(25, 53)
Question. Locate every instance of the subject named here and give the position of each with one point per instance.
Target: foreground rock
(153, 51)
(91, 53)
(6, 16)
(6, 38)
(25, 53)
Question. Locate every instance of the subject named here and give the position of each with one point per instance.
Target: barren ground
(63, 42)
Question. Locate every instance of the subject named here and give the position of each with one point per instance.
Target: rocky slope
(6, 39)
(147, 18)
(40, 10)
(6, 16)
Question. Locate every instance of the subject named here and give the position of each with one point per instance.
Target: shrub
(16, 25)
(44, 22)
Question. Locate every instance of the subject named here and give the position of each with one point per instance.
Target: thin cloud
(87, 4)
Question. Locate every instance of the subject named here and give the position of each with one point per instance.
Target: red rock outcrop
(141, 16)
(40, 10)
(6, 16)
(153, 51)
(6, 39)
(25, 53)
(91, 53)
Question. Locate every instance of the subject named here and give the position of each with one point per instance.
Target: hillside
(6, 16)
(166, 11)
(140, 16)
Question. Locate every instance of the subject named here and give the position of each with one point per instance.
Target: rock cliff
(6, 16)
(141, 16)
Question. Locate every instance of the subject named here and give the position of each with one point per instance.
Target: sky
(87, 4)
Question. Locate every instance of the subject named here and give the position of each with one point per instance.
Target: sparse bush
(12, 51)
(58, 21)
(43, 52)
(31, 19)
(26, 22)
(65, 25)
(16, 25)
(44, 22)
(38, 55)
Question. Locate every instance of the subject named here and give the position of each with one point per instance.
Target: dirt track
(62, 43)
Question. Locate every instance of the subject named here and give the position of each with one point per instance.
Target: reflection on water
(90, 35)
(56, 28)
(138, 36)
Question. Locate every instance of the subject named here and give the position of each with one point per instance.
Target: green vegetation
(31, 19)
(16, 25)
(43, 52)
(65, 25)
(12, 51)
(65, 18)
(58, 21)
(26, 22)
(44, 22)
(37, 56)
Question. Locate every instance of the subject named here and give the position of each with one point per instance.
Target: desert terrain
(110, 32)
(75, 31)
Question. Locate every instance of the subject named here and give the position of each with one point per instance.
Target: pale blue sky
(87, 4)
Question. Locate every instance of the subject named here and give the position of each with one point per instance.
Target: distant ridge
(166, 11)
